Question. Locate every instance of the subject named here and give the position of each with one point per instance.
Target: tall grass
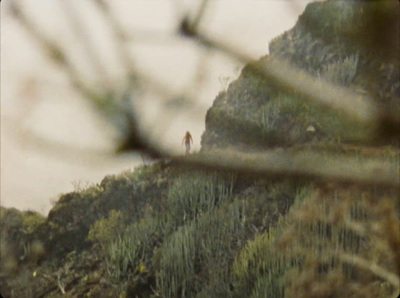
(310, 253)
(122, 258)
(198, 254)
(196, 192)
(259, 268)
(214, 242)
(342, 71)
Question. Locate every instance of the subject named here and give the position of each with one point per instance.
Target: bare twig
(373, 267)
(124, 119)
(55, 52)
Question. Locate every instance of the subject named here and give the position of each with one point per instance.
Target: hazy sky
(52, 139)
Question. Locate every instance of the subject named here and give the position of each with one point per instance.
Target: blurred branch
(55, 52)
(120, 39)
(29, 140)
(189, 26)
(136, 77)
(80, 31)
(373, 267)
(152, 37)
(306, 165)
(277, 73)
(195, 23)
(124, 119)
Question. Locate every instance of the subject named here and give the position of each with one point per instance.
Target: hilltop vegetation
(178, 230)
(138, 224)
(172, 232)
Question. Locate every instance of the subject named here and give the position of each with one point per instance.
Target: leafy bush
(128, 251)
(31, 221)
(107, 229)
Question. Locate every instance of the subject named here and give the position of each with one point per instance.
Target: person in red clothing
(187, 139)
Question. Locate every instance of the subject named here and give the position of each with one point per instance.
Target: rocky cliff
(349, 43)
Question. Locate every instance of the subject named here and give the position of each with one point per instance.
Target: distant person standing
(187, 139)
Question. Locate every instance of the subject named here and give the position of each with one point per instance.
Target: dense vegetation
(205, 234)
(173, 230)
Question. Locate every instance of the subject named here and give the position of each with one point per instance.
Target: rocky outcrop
(350, 43)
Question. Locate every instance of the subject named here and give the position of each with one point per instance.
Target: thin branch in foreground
(84, 39)
(309, 166)
(120, 41)
(372, 267)
(123, 119)
(56, 54)
(200, 14)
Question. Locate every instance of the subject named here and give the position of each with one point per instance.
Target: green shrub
(196, 192)
(198, 254)
(269, 285)
(259, 268)
(30, 221)
(107, 229)
(123, 258)
(148, 234)
(130, 253)
(178, 257)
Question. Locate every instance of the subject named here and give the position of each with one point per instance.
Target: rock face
(349, 43)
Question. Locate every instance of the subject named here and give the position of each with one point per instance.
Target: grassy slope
(151, 206)
(173, 231)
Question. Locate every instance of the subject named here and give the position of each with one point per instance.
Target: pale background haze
(38, 102)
